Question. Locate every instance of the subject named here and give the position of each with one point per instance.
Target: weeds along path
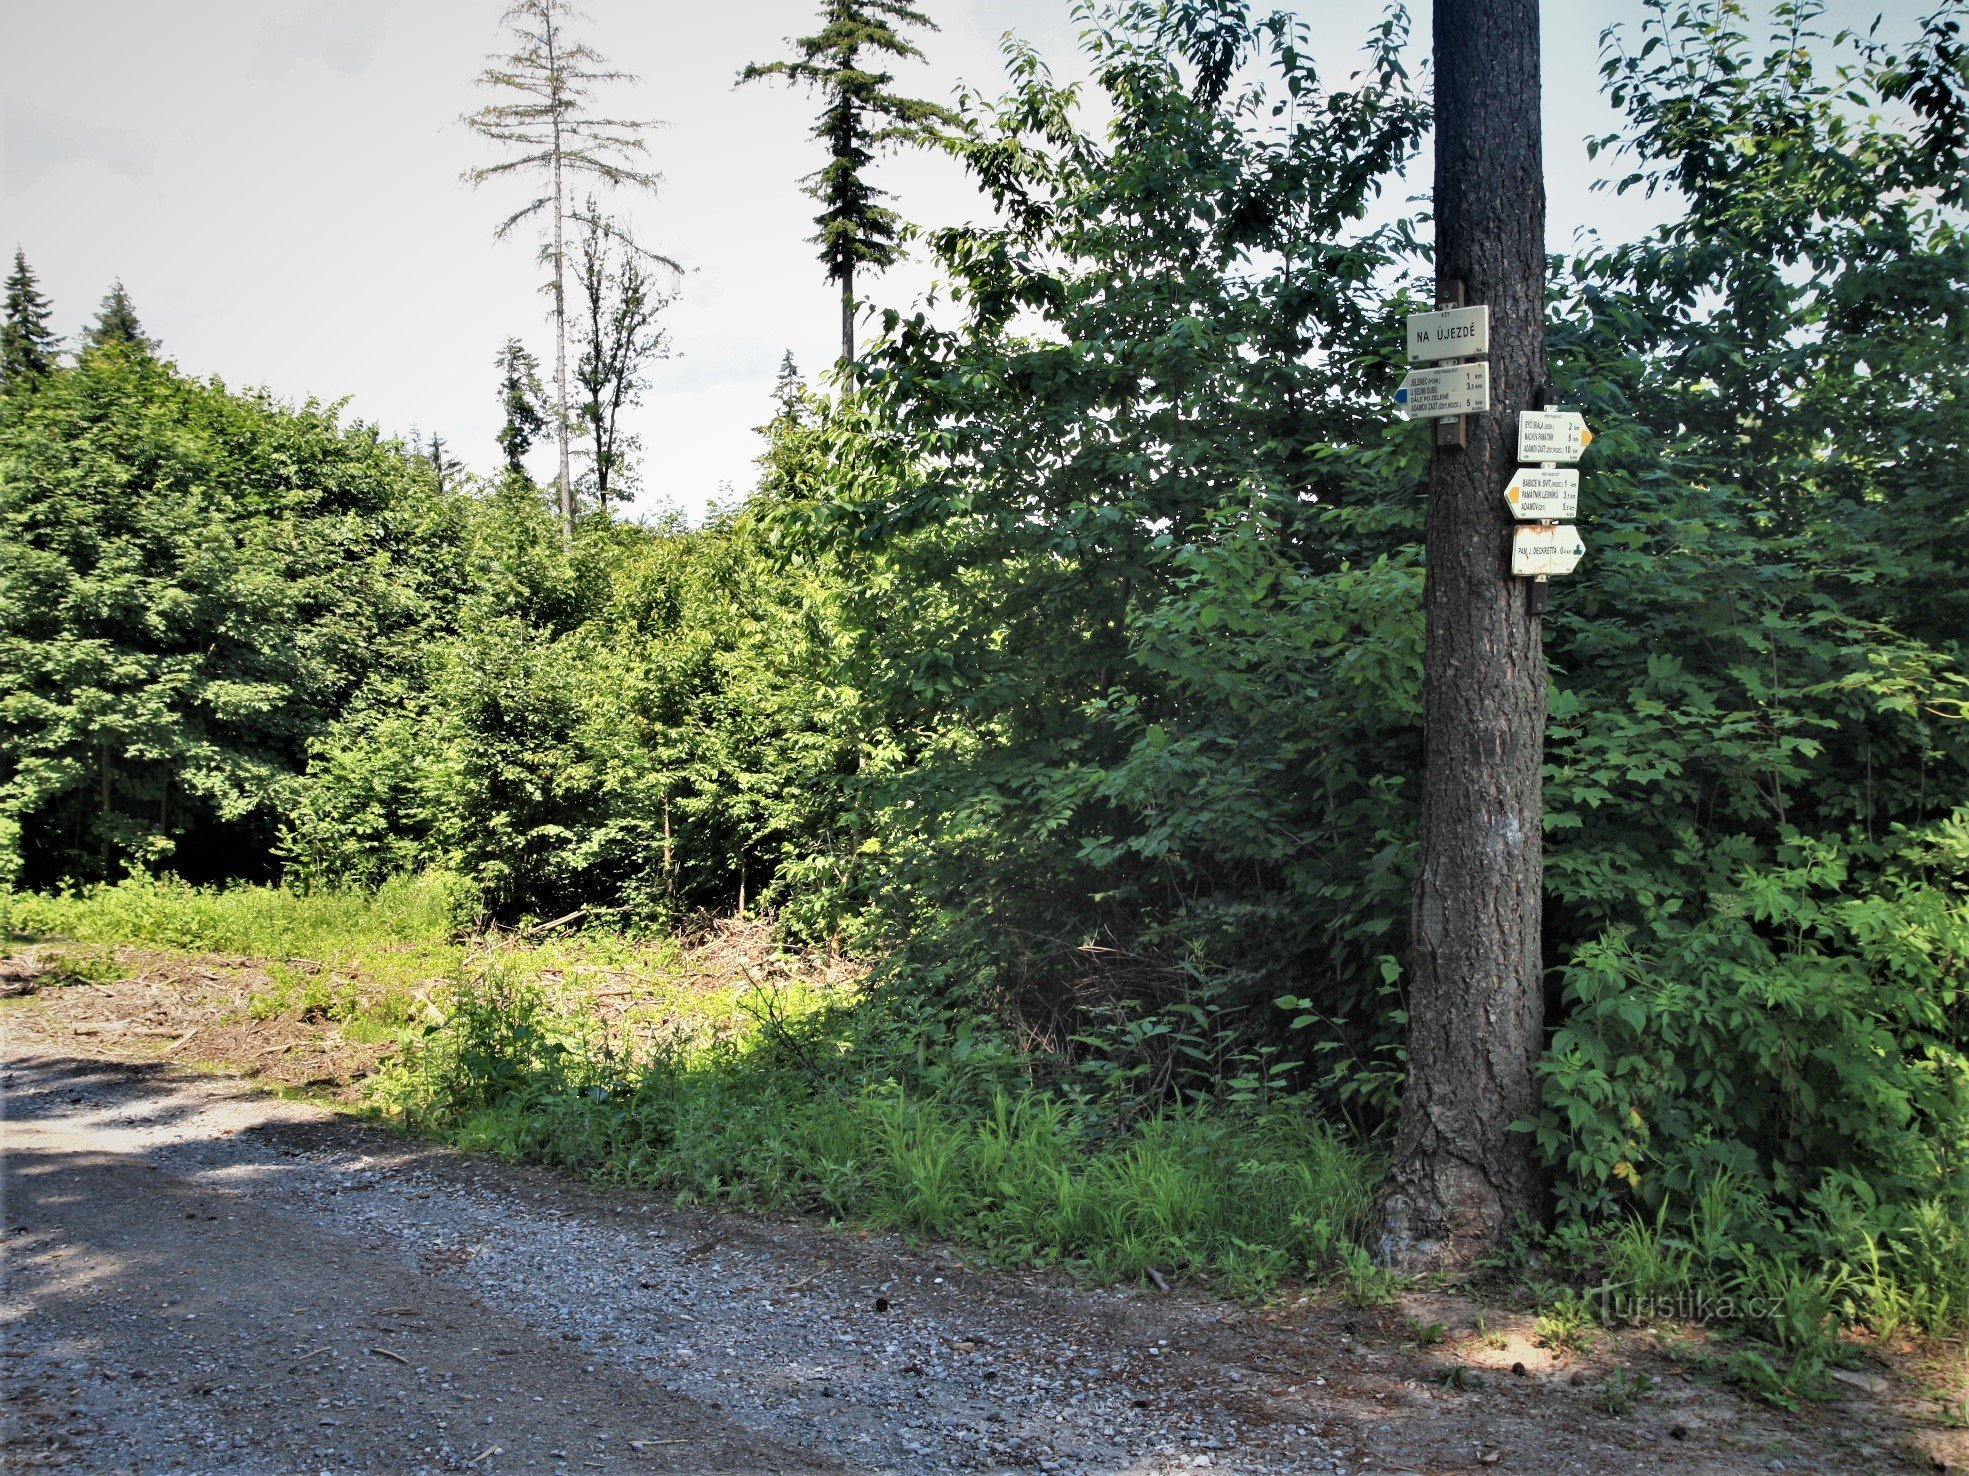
(206, 1278)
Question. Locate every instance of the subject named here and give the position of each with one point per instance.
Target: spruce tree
(116, 322)
(858, 120)
(550, 130)
(524, 401)
(27, 344)
(448, 469)
(787, 385)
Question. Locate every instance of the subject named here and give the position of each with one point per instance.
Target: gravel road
(204, 1278)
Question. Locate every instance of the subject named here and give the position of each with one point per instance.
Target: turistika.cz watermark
(1619, 1304)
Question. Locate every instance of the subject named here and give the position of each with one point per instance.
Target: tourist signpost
(1455, 389)
(1539, 550)
(1453, 333)
(1544, 494)
(1552, 435)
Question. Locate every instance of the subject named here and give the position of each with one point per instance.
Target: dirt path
(200, 1277)
(162, 1311)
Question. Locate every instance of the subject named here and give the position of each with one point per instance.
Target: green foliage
(267, 922)
(1617, 1392)
(1758, 859)
(632, 723)
(1101, 562)
(192, 583)
(1425, 1334)
(27, 344)
(804, 1117)
(1363, 1282)
(859, 119)
(1566, 1325)
(1067, 660)
(523, 403)
(1794, 1030)
(116, 323)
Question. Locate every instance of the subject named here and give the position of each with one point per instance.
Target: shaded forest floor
(824, 1348)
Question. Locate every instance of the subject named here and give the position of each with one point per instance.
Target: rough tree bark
(1461, 1177)
(848, 313)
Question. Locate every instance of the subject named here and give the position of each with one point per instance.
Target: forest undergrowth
(723, 1069)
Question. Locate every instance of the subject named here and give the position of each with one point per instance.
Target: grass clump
(1788, 1289)
(1617, 1392)
(810, 1109)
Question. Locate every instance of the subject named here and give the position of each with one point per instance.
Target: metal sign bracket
(1452, 430)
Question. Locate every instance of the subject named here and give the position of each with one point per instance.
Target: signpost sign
(1544, 494)
(1552, 435)
(1458, 389)
(1454, 333)
(1539, 549)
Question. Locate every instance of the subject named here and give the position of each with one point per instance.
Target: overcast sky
(276, 182)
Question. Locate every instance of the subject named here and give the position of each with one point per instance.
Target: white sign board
(1459, 389)
(1453, 333)
(1545, 548)
(1552, 435)
(1544, 494)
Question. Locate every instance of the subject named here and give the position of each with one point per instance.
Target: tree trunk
(102, 752)
(1461, 1177)
(560, 290)
(848, 314)
(669, 856)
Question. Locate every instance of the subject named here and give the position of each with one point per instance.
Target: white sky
(276, 183)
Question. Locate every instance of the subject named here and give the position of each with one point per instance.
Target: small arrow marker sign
(1544, 494)
(1552, 435)
(1453, 333)
(1458, 389)
(1545, 548)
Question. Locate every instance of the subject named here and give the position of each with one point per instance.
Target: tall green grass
(786, 1120)
(269, 922)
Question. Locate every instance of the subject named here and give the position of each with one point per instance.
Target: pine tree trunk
(1461, 1177)
(848, 314)
(560, 296)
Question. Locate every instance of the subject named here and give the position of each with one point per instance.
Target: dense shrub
(192, 584)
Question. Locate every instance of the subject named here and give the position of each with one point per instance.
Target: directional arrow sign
(1545, 548)
(1552, 435)
(1544, 495)
(1454, 333)
(1459, 389)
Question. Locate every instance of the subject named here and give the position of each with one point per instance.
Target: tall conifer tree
(27, 345)
(522, 399)
(116, 322)
(549, 126)
(859, 119)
